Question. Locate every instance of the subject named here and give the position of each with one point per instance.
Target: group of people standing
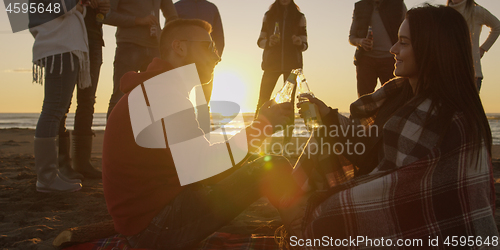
(67, 52)
(372, 58)
(427, 173)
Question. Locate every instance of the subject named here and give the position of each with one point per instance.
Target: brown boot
(65, 159)
(82, 149)
(47, 173)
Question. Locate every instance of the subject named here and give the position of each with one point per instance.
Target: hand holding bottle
(277, 115)
(273, 40)
(322, 108)
(366, 44)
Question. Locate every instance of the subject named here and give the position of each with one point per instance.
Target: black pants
(369, 69)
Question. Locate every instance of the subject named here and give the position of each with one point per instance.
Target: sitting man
(149, 193)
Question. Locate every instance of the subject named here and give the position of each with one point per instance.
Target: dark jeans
(58, 90)
(129, 57)
(200, 210)
(267, 85)
(85, 98)
(369, 69)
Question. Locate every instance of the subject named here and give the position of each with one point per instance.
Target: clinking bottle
(285, 93)
(310, 111)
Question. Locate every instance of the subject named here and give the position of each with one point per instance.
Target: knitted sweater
(480, 16)
(63, 34)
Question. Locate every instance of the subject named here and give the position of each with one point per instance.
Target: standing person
(426, 170)
(372, 58)
(477, 16)
(61, 61)
(283, 37)
(82, 133)
(207, 11)
(137, 36)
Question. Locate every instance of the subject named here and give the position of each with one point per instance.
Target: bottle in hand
(310, 111)
(369, 34)
(277, 30)
(285, 93)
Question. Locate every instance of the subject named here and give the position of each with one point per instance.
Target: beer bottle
(310, 111)
(369, 34)
(277, 30)
(285, 93)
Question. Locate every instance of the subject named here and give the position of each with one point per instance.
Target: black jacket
(283, 56)
(391, 12)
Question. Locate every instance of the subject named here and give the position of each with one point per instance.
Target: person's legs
(288, 133)
(86, 97)
(199, 211)
(366, 75)
(61, 74)
(479, 82)
(385, 69)
(59, 88)
(267, 85)
(128, 57)
(82, 134)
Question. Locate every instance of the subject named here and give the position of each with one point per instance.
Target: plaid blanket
(215, 241)
(430, 193)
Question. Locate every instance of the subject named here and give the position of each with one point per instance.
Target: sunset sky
(327, 63)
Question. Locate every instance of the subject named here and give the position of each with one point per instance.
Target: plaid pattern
(419, 189)
(215, 241)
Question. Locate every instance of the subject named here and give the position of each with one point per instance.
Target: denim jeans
(85, 98)
(58, 92)
(129, 57)
(200, 210)
(369, 69)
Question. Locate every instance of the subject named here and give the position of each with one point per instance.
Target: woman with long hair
(283, 37)
(477, 16)
(421, 164)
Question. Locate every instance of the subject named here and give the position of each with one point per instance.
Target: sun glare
(230, 86)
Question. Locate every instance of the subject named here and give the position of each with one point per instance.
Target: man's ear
(179, 48)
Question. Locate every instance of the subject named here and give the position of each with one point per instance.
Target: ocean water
(29, 120)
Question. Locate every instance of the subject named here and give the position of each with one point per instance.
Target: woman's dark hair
(276, 9)
(443, 53)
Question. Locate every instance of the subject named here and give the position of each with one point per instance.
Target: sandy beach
(31, 220)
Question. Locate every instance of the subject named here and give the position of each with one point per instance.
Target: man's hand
(366, 44)
(277, 115)
(322, 108)
(273, 40)
(147, 20)
(296, 40)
